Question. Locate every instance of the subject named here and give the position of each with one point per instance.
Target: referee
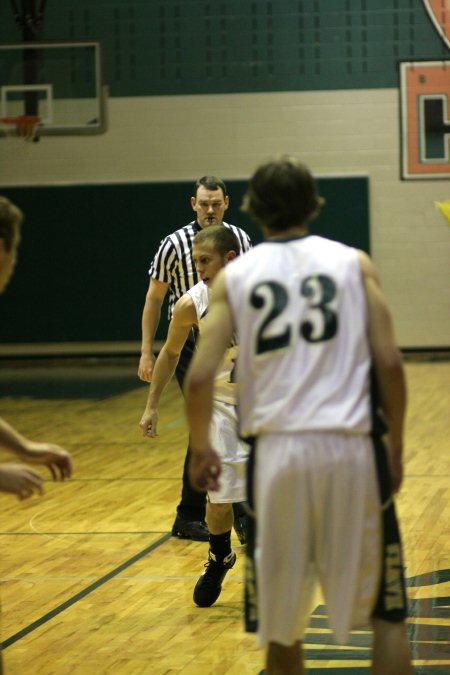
(173, 270)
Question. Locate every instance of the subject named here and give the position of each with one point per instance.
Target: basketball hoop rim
(26, 126)
(21, 119)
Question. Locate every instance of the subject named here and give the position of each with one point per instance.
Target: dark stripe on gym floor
(82, 594)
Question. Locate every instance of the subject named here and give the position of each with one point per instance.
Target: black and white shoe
(209, 585)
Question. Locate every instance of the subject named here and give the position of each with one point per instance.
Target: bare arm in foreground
(388, 366)
(204, 468)
(184, 317)
(54, 457)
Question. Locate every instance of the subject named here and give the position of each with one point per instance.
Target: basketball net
(25, 126)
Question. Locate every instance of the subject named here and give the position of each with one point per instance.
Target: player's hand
(149, 423)
(204, 470)
(55, 458)
(20, 480)
(145, 370)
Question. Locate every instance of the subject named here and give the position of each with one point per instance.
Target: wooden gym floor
(91, 580)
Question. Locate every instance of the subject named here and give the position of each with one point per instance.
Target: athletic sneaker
(208, 587)
(190, 529)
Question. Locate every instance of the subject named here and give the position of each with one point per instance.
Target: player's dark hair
(282, 193)
(10, 220)
(211, 183)
(222, 238)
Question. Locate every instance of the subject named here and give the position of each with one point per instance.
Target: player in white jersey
(213, 248)
(311, 322)
(298, 314)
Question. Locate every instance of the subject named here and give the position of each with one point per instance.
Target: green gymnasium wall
(159, 47)
(82, 272)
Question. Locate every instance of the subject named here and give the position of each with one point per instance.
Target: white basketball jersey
(300, 310)
(224, 387)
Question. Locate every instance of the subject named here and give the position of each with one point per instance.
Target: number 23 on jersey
(318, 323)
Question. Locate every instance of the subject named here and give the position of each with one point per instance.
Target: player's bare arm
(388, 364)
(199, 386)
(150, 321)
(58, 460)
(20, 480)
(183, 319)
(55, 458)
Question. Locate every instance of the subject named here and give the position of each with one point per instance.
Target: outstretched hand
(204, 470)
(20, 480)
(55, 458)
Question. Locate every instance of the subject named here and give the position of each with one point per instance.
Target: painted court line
(39, 533)
(82, 594)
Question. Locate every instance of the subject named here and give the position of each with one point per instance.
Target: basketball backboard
(61, 82)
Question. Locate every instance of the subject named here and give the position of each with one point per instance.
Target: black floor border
(82, 594)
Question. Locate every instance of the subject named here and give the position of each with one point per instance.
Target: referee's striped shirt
(173, 262)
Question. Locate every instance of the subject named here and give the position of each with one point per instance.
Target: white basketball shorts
(233, 454)
(318, 522)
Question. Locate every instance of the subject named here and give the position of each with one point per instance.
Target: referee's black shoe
(240, 527)
(209, 585)
(190, 529)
